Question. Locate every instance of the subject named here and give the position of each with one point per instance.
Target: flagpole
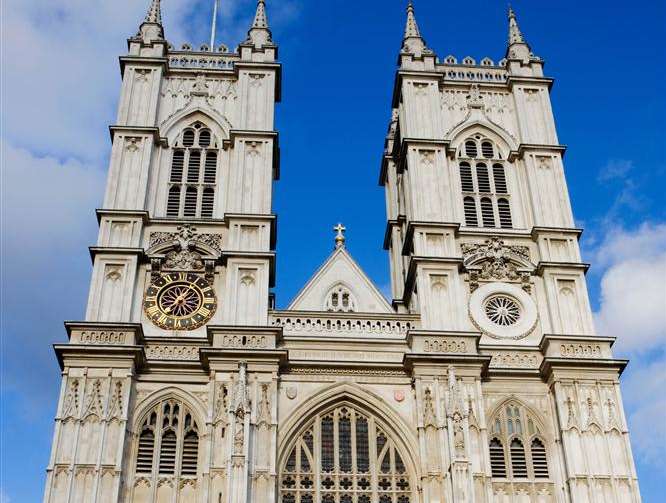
(212, 31)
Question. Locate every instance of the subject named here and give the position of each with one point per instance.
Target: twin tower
(481, 380)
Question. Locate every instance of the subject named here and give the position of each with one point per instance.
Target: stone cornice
(528, 147)
(143, 60)
(85, 355)
(411, 272)
(260, 255)
(542, 266)
(139, 130)
(522, 79)
(142, 214)
(389, 226)
(114, 250)
(538, 230)
(407, 246)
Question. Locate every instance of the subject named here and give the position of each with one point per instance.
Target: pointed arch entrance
(344, 453)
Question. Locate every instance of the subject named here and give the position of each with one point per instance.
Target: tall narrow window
(518, 462)
(485, 190)
(539, 460)
(497, 461)
(487, 212)
(482, 178)
(173, 201)
(193, 177)
(466, 180)
(169, 442)
(504, 211)
(500, 179)
(517, 438)
(190, 209)
(470, 212)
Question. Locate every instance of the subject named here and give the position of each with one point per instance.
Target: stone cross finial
(340, 236)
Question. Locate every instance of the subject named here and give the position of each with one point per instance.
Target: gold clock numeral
(203, 312)
(153, 310)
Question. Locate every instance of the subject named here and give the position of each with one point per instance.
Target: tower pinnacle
(260, 33)
(412, 42)
(154, 13)
(518, 47)
(151, 28)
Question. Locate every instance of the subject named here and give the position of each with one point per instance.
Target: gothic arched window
(344, 456)
(193, 176)
(485, 193)
(517, 448)
(340, 299)
(168, 442)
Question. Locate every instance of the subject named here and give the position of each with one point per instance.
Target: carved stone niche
(184, 250)
(494, 260)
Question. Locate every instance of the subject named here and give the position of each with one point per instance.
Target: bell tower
(483, 247)
(184, 259)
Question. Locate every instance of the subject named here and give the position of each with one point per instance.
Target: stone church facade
(482, 380)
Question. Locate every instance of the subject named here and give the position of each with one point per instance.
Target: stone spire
(151, 28)
(260, 33)
(517, 48)
(412, 42)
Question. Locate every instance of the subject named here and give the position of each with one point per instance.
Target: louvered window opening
(483, 182)
(168, 442)
(517, 450)
(344, 456)
(193, 175)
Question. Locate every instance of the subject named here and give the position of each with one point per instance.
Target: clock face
(180, 301)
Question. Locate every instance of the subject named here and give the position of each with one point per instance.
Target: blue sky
(60, 82)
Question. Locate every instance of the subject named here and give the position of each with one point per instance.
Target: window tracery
(344, 456)
(340, 299)
(168, 442)
(193, 175)
(486, 198)
(517, 448)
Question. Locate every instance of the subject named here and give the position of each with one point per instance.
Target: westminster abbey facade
(481, 380)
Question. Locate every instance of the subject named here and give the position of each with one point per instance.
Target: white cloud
(615, 168)
(633, 287)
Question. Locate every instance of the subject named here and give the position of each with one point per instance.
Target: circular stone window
(502, 310)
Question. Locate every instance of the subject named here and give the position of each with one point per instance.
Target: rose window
(502, 310)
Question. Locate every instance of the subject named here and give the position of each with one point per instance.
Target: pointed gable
(340, 285)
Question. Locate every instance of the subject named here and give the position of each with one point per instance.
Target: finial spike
(515, 35)
(340, 235)
(260, 33)
(154, 13)
(412, 42)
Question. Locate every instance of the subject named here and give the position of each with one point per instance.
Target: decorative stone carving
(429, 418)
(514, 359)
(250, 341)
(571, 412)
(186, 236)
(102, 337)
(116, 404)
(324, 325)
(183, 260)
(168, 352)
(494, 260)
(70, 406)
(580, 351)
(220, 411)
(291, 392)
(93, 400)
(444, 346)
(264, 407)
